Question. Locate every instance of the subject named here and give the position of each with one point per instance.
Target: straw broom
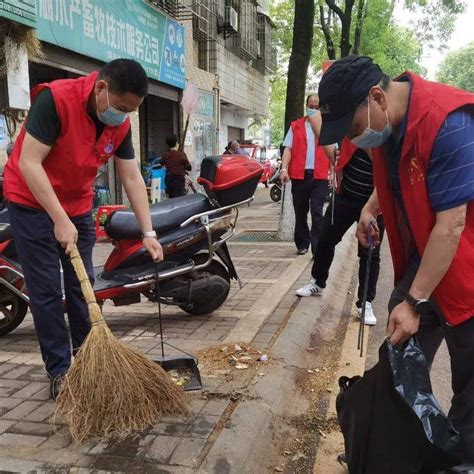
(112, 389)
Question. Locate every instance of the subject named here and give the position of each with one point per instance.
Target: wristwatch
(149, 233)
(421, 306)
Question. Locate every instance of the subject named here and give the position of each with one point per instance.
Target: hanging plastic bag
(390, 419)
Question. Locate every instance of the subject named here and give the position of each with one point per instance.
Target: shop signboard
(21, 11)
(111, 29)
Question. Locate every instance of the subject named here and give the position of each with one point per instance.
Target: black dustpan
(183, 361)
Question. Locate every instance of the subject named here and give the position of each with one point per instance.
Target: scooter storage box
(230, 179)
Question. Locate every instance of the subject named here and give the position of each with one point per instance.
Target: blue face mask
(112, 117)
(310, 112)
(371, 138)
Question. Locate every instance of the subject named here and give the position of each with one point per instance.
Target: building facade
(222, 48)
(229, 57)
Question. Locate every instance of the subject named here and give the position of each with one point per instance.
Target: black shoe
(302, 251)
(55, 387)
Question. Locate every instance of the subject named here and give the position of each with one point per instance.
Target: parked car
(259, 153)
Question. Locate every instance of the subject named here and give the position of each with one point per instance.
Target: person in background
(236, 149)
(307, 165)
(354, 167)
(176, 163)
(227, 150)
(421, 136)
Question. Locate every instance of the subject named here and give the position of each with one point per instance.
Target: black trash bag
(390, 419)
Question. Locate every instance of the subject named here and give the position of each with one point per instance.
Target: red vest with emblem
(74, 159)
(430, 104)
(299, 148)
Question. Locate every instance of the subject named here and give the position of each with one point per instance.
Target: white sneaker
(310, 289)
(369, 317)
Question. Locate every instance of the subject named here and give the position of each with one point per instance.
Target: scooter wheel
(208, 301)
(275, 193)
(12, 311)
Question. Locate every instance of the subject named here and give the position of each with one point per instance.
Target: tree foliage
(434, 20)
(393, 48)
(365, 27)
(457, 68)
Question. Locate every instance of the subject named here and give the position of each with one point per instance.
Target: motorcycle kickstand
(188, 302)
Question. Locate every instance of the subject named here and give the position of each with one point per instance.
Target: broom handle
(86, 287)
(181, 145)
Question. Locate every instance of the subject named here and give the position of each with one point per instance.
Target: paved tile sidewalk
(28, 441)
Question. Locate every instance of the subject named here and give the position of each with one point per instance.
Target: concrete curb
(251, 437)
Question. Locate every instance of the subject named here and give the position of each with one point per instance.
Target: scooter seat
(165, 216)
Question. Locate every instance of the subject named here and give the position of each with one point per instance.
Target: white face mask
(310, 112)
(371, 138)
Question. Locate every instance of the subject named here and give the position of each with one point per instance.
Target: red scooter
(193, 231)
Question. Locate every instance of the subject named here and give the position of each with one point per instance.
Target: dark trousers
(460, 341)
(346, 212)
(40, 256)
(308, 192)
(175, 185)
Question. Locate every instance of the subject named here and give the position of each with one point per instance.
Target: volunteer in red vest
(74, 126)
(306, 164)
(422, 138)
(355, 186)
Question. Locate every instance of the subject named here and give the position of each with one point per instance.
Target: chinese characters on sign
(20, 11)
(110, 29)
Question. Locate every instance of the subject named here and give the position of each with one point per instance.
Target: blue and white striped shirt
(451, 167)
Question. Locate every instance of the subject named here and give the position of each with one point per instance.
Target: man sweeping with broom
(74, 126)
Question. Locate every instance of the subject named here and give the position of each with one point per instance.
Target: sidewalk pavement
(239, 419)
(277, 416)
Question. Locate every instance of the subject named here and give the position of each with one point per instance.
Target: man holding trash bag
(422, 138)
(74, 127)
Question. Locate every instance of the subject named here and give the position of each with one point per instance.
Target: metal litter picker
(183, 362)
(360, 342)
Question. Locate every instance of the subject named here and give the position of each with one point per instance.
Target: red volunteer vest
(73, 161)
(430, 104)
(298, 154)
(345, 155)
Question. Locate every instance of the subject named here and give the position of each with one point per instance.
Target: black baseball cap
(343, 87)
